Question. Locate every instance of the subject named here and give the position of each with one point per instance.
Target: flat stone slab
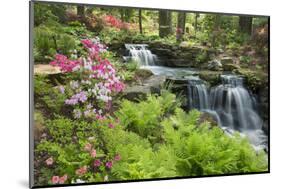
(46, 69)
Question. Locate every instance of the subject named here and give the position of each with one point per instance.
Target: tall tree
(245, 24)
(140, 20)
(181, 25)
(81, 11)
(216, 29)
(196, 23)
(165, 23)
(126, 14)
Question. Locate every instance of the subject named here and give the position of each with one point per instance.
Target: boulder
(211, 77)
(143, 73)
(153, 84)
(184, 44)
(214, 65)
(227, 60)
(230, 67)
(205, 117)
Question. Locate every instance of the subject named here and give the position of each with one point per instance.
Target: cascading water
(231, 105)
(147, 60)
(197, 94)
(234, 104)
(141, 54)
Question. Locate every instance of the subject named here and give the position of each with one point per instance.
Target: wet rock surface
(150, 85)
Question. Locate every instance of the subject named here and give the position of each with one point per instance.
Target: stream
(229, 103)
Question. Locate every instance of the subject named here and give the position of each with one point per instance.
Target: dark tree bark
(81, 11)
(181, 25)
(140, 20)
(196, 23)
(165, 23)
(245, 24)
(216, 29)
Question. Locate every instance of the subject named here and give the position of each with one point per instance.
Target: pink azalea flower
(97, 163)
(117, 157)
(110, 125)
(49, 161)
(81, 171)
(109, 164)
(63, 179)
(55, 179)
(93, 153)
(88, 147)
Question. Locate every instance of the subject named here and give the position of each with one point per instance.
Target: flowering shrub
(98, 82)
(114, 22)
(70, 150)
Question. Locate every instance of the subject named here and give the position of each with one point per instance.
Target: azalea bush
(97, 81)
(112, 21)
(89, 96)
(71, 152)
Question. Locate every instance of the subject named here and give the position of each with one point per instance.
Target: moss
(212, 77)
(143, 73)
(255, 80)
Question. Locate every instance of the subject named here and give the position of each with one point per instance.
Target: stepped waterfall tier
(229, 103)
(141, 54)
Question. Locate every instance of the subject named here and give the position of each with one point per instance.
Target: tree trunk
(181, 25)
(140, 21)
(196, 23)
(245, 24)
(216, 30)
(81, 11)
(165, 23)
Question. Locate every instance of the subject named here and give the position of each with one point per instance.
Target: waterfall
(234, 105)
(231, 105)
(141, 54)
(197, 94)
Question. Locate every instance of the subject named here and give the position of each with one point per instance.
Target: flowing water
(147, 60)
(230, 103)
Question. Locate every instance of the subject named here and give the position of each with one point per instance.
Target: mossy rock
(143, 73)
(230, 67)
(205, 117)
(255, 80)
(227, 60)
(211, 77)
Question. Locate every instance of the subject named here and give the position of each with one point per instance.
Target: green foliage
(65, 145)
(44, 43)
(44, 12)
(205, 150)
(143, 118)
(65, 44)
(189, 150)
(246, 59)
(49, 40)
(202, 57)
(47, 97)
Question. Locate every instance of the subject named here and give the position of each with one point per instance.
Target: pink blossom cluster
(81, 171)
(97, 162)
(59, 180)
(99, 82)
(94, 46)
(115, 22)
(65, 64)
